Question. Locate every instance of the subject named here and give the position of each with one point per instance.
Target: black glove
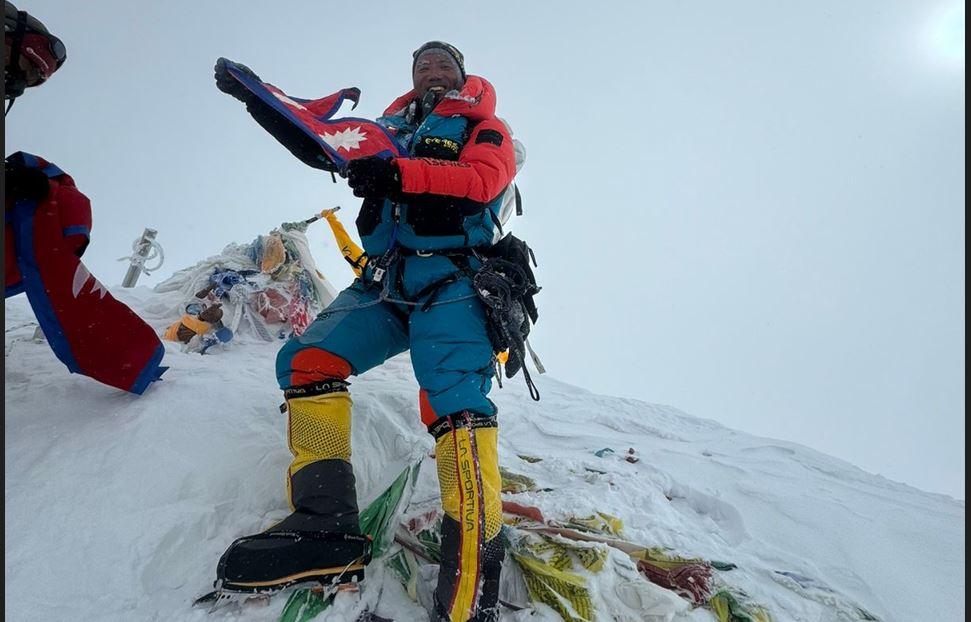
(290, 136)
(24, 182)
(228, 84)
(374, 177)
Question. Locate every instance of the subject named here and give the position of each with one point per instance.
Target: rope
(498, 284)
(386, 297)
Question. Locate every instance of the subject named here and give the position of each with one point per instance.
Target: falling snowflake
(81, 276)
(348, 139)
(286, 100)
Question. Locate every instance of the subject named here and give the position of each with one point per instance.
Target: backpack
(511, 199)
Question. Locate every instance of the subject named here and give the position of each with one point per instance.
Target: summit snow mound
(118, 507)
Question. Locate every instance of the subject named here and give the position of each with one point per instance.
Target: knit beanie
(449, 49)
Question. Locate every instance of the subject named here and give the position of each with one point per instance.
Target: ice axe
(322, 214)
(303, 224)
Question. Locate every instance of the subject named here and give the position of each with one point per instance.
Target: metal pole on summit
(142, 248)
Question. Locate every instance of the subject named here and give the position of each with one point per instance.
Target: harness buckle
(424, 253)
(380, 265)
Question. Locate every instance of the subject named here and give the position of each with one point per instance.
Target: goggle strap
(15, 71)
(18, 39)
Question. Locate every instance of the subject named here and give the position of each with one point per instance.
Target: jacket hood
(476, 100)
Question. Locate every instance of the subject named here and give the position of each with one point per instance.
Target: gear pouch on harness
(506, 285)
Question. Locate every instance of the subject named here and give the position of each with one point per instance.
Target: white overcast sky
(751, 211)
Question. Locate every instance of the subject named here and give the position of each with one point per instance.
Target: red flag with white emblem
(340, 140)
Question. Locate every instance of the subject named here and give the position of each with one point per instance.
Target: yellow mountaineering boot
(320, 481)
(321, 539)
(472, 549)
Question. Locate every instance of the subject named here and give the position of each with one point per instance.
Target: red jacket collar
(476, 100)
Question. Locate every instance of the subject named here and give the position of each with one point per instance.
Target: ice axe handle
(321, 215)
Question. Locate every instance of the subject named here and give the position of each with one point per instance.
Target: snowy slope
(117, 507)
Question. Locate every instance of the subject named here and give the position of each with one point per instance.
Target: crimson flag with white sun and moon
(341, 140)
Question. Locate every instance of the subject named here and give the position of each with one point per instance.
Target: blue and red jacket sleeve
(89, 330)
(486, 166)
(75, 211)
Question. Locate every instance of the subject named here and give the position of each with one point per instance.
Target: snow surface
(118, 507)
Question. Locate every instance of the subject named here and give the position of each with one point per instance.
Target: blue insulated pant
(450, 349)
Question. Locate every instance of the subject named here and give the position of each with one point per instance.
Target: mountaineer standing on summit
(422, 219)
